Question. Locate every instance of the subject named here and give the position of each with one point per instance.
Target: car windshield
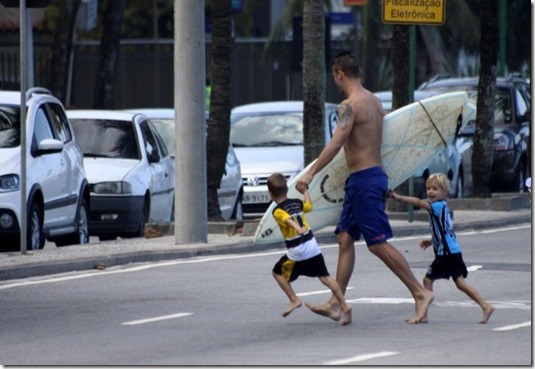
(106, 138)
(9, 127)
(502, 113)
(275, 129)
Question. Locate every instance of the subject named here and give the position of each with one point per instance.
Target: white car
(129, 169)
(268, 138)
(230, 191)
(57, 191)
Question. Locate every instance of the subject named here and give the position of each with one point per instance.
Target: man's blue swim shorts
(364, 206)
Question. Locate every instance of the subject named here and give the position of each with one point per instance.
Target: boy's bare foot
(347, 316)
(487, 312)
(333, 312)
(422, 305)
(292, 307)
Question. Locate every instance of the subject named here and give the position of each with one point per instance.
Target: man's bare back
(363, 146)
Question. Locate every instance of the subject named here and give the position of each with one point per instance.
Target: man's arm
(341, 133)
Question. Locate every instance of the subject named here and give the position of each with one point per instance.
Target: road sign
(430, 12)
(355, 2)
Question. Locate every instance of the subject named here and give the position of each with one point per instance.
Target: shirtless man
(360, 132)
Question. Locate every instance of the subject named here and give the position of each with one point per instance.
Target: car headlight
(117, 188)
(502, 143)
(10, 182)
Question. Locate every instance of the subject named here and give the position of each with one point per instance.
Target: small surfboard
(412, 136)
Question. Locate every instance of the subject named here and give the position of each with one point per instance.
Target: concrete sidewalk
(468, 214)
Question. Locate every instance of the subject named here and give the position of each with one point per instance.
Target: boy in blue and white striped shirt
(448, 257)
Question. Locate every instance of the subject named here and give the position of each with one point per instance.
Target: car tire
(459, 187)
(107, 238)
(518, 184)
(145, 211)
(81, 236)
(237, 213)
(34, 228)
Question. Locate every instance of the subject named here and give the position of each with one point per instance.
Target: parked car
(268, 138)
(512, 121)
(57, 191)
(448, 161)
(230, 192)
(130, 172)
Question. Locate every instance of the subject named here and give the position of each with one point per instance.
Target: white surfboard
(412, 136)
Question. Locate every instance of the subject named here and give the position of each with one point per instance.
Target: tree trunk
(371, 53)
(400, 66)
(62, 50)
(313, 79)
(482, 153)
(109, 46)
(220, 101)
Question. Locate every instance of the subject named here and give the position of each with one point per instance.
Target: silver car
(230, 191)
(268, 138)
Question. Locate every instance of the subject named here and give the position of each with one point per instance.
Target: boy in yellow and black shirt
(304, 255)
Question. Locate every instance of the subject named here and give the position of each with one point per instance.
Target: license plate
(255, 198)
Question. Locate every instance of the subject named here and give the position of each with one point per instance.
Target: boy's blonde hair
(439, 179)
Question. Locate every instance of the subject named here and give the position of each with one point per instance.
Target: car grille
(257, 180)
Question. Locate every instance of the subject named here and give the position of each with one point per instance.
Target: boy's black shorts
(291, 269)
(444, 267)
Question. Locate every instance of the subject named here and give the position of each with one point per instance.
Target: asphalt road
(225, 310)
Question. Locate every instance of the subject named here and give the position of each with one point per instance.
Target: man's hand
(303, 182)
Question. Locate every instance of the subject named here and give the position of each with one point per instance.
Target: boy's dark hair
(347, 63)
(277, 184)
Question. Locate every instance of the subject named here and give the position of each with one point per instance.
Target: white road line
(356, 359)
(61, 278)
(514, 326)
(473, 268)
(157, 319)
(319, 292)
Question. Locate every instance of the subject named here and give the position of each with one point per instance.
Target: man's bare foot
(487, 312)
(293, 305)
(422, 305)
(330, 311)
(347, 316)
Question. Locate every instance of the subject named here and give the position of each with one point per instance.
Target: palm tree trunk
(482, 154)
(220, 101)
(313, 78)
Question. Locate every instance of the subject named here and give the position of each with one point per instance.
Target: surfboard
(412, 136)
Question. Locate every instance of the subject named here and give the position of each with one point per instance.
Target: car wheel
(35, 240)
(107, 238)
(81, 236)
(520, 178)
(142, 221)
(237, 213)
(459, 189)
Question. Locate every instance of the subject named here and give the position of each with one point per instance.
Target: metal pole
(191, 217)
(23, 144)
(412, 57)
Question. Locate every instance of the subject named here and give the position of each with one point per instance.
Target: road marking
(319, 292)
(514, 326)
(136, 268)
(521, 305)
(356, 359)
(157, 319)
(473, 268)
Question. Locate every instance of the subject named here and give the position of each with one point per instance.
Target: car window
(106, 138)
(267, 130)
(9, 127)
(166, 129)
(42, 126)
(151, 147)
(60, 122)
(521, 105)
(159, 140)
